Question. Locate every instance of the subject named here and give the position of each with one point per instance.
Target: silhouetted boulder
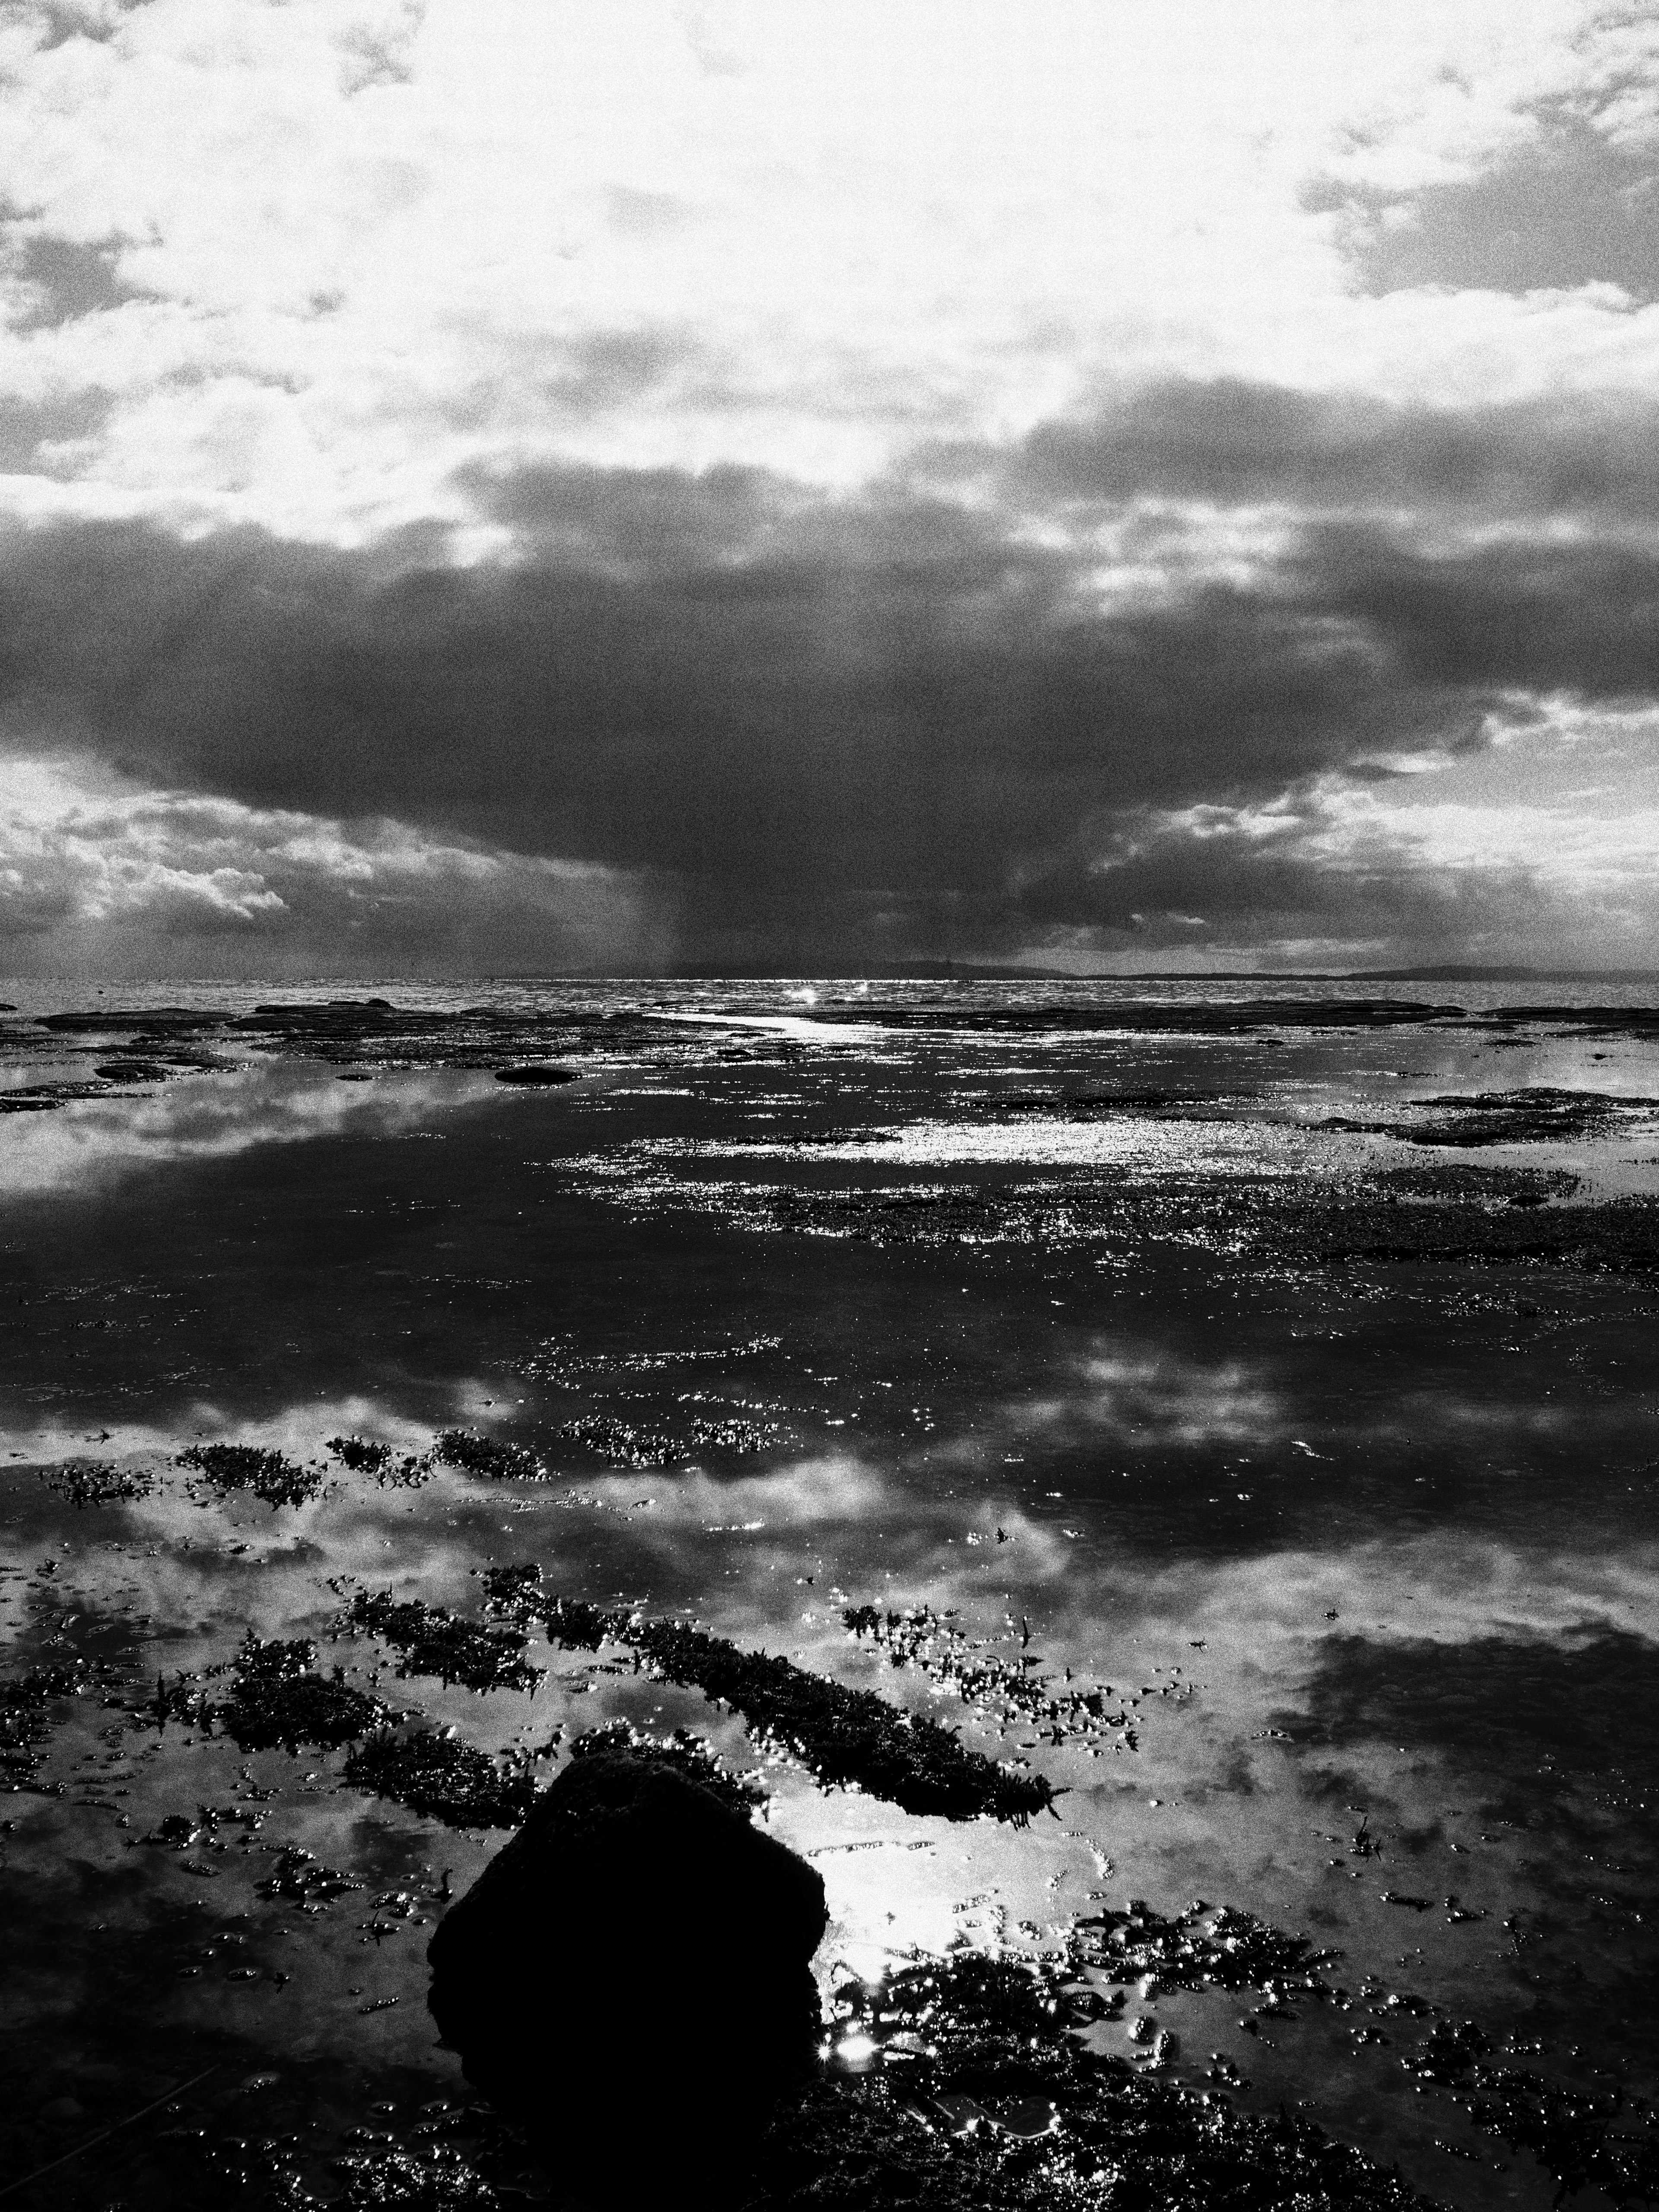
(629, 1982)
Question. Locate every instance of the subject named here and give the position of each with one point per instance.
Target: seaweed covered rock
(549, 1979)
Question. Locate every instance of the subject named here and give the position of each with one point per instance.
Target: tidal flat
(1152, 1488)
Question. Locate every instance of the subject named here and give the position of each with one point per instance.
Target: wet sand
(1269, 1374)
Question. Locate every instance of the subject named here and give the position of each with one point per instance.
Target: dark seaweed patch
(46, 1098)
(1202, 1948)
(434, 2180)
(363, 1455)
(443, 1779)
(685, 1753)
(1619, 1238)
(1486, 1185)
(369, 1455)
(1586, 2138)
(982, 2100)
(1090, 1105)
(922, 1638)
(278, 1701)
(1536, 1113)
(246, 1467)
(431, 1641)
(97, 1482)
(628, 1443)
(132, 1071)
(24, 1724)
(841, 1735)
(488, 1456)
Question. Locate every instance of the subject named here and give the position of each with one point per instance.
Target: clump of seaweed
(1538, 1114)
(96, 1482)
(369, 1455)
(686, 1753)
(1573, 2131)
(841, 1735)
(630, 1444)
(1202, 1948)
(185, 1698)
(398, 2181)
(437, 1775)
(488, 1456)
(363, 1455)
(299, 1879)
(24, 1725)
(982, 2100)
(276, 1700)
(922, 1638)
(515, 1593)
(433, 1641)
(277, 1480)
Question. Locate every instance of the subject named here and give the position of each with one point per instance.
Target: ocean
(1228, 1408)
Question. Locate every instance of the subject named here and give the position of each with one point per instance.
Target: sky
(574, 486)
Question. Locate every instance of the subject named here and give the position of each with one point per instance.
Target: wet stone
(624, 1872)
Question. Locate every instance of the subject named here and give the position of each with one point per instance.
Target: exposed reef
(1535, 1114)
(843, 1736)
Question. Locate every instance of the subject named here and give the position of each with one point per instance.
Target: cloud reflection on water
(203, 1117)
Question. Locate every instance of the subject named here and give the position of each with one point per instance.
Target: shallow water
(1329, 1449)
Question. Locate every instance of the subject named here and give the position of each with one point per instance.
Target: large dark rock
(630, 1981)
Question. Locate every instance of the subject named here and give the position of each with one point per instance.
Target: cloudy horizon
(580, 488)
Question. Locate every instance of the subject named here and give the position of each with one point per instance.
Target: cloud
(983, 697)
(857, 478)
(99, 879)
(97, 1143)
(1230, 442)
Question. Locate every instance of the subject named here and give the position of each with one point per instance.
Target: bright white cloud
(358, 246)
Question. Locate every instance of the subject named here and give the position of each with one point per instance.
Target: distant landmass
(973, 971)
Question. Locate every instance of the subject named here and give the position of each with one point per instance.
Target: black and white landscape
(829, 1106)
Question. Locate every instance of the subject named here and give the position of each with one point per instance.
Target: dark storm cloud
(1169, 883)
(1235, 442)
(809, 715)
